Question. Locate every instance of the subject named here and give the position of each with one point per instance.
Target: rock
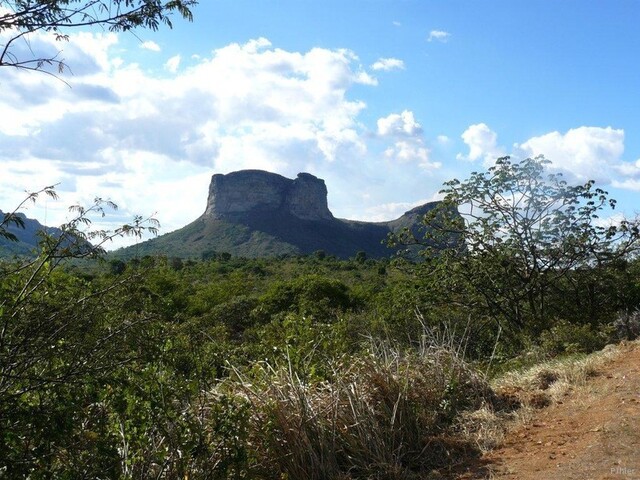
(307, 198)
(259, 191)
(253, 213)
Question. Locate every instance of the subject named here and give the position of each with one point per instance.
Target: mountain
(253, 213)
(28, 237)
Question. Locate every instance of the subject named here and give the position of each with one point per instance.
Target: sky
(383, 99)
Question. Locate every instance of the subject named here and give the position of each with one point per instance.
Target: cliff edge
(253, 213)
(258, 191)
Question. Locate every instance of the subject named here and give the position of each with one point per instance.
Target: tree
(361, 256)
(21, 18)
(526, 232)
(61, 338)
(11, 218)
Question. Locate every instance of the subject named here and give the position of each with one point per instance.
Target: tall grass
(386, 415)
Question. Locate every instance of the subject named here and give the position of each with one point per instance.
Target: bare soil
(593, 432)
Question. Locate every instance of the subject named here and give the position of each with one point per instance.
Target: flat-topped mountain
(246, 191)
(253, 213)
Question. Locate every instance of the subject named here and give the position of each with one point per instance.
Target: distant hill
(27, 237)
(253, 213)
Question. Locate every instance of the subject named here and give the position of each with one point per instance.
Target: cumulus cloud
(399, 124)
(627, 175)
(139, 136)
(438, 36)
(77, 58)
(412, 151)
(173, 63)
(390, 211)
(383, 212)
(627, 184)
(482, 143)
(408, 140)
(586, 153)
(387, 64)
(150, 45)
(581, 154)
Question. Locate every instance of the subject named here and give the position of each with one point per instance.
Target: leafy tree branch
(21, 18)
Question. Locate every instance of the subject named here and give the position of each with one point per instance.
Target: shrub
(627, 326)
(385, 415)
(566, 337)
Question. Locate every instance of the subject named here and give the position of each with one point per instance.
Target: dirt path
(593, 433)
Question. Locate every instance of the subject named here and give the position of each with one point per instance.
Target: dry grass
(521, 393)
(387, 416)
(556, 377)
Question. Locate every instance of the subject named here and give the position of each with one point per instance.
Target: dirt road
(591, 433)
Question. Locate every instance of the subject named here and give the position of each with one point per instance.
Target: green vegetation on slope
(276, 233)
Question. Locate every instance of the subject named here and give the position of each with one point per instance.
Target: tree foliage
(21, 18)
(11, 218)
(526, 234)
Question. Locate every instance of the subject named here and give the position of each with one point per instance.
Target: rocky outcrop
(307, 198)
(253, 213)
(252, 191)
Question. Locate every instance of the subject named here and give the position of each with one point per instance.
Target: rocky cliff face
(252, 191)
(253, 213)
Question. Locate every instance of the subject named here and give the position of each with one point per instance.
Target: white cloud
(387, 64)
(148, 140)
(626, 175)
(408, 143)
(439, 36)
(627, 184)
(586, 153)
(399, 124)
(390, 211)
(581, 154)
(443, 140)
(173, 63)
(482, 143)
(405, 151)
(150, 45)
(614, 219)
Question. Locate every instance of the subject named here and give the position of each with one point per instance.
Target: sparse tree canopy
(527, 229)
(524, 231)
(543, 222)
(20, 18)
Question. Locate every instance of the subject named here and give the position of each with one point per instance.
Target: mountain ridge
(27, 237)
(254, 213)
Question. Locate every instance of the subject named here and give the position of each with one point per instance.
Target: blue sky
(385, 100)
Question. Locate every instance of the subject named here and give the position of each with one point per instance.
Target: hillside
(27, 237)
(253, 213)
(255, 235)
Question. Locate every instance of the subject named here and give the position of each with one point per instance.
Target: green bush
(569, 338)
(309, 295)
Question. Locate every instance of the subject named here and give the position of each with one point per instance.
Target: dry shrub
(627, 325)
(386, 415)
(551, 379)
(485, 427)
(519, 393)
